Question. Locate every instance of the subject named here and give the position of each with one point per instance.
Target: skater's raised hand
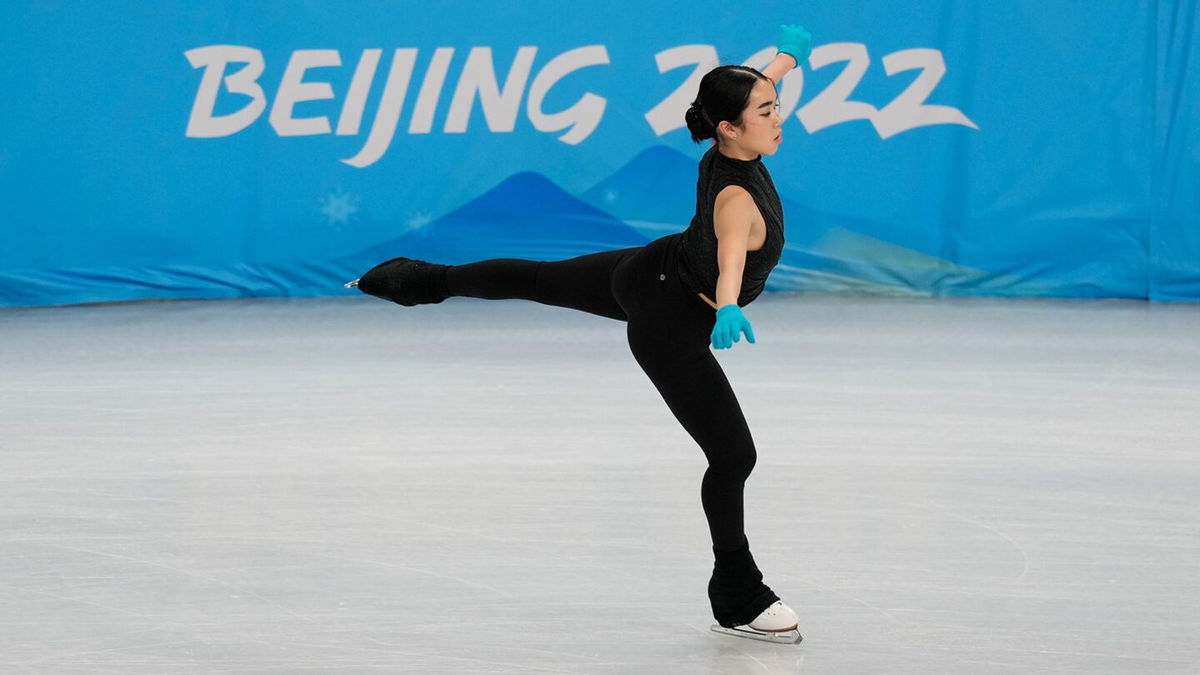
(795, 42)
(731, 323)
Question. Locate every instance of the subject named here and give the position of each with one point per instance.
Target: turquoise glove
(730, 324)
(795, 42)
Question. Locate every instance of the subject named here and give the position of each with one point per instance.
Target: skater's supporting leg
(668, 333)
(697, 392)
(699, 395)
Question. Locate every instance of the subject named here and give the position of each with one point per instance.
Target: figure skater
(666, 292)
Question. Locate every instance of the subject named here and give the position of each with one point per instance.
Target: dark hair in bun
(724, 94)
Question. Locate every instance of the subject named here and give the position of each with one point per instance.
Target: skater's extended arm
(733, 216)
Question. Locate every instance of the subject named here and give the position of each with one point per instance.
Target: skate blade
(352, 284)
(789, 637)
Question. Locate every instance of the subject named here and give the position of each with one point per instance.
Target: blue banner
(220, 149)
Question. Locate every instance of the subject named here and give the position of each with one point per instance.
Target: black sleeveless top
(698, 243)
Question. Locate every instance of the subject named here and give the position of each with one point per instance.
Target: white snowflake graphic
(339, 208)
(417, 220)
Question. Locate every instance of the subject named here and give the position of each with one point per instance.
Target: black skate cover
(406, 282)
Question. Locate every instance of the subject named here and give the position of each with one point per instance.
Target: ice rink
(346, 485)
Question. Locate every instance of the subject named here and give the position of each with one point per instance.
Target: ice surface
(943, 485)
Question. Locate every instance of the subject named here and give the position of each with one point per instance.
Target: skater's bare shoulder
(734, 213)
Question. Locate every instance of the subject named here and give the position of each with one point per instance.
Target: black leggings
(668, 328)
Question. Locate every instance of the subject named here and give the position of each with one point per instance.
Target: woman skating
(666, 292)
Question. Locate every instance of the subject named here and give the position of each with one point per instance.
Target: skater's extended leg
(583, 283)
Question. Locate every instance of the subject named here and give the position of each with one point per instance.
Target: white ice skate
(777, 623)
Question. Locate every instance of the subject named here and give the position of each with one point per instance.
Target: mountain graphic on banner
(654, 192)
(525, 216)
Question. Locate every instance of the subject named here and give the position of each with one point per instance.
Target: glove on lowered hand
(731, 323)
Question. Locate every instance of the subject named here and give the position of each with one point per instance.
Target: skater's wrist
(795, 41)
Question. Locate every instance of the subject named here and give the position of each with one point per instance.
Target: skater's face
(760, 131)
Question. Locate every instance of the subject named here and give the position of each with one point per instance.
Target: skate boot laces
(776, 618)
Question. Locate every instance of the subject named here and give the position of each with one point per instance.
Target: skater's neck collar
(734, 160)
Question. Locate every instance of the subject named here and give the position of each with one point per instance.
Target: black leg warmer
(736, 590)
